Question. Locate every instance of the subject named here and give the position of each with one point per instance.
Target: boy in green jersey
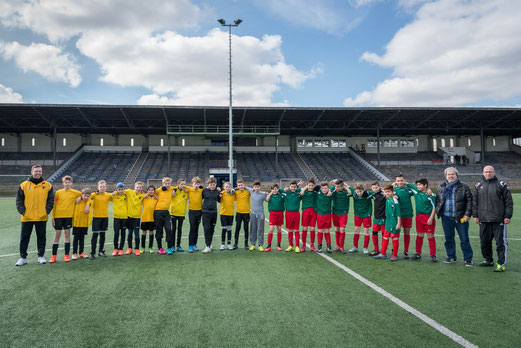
(276, 209)
(324, 200)
(404, 194)
(341, 198)
(292, 205)
(378, 215)
(392, 224)
(425, 222)
(309, 213)
(363, 206)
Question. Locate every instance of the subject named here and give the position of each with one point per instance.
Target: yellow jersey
(80, 218)
(178, 205)
(164, 198)
(100, 204)
(34, 202)
(195, 197)
(227, 203)
(64, 202)
(134, 203)
(149, 205)
(243, 201)
(120, 206)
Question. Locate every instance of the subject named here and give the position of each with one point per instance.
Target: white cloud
(453, 53)
(46, 60)
(7, 95)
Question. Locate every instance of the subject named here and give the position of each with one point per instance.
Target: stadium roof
(316, 121)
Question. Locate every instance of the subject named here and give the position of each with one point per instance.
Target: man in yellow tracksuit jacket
(34, 202)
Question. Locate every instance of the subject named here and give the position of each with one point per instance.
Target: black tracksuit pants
(209, 221)
(194, 218)
(498, 231)
(162, 220)
(27, 229)
(242, 219)
(177, 226)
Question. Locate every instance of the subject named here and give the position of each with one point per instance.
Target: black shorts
(80, 231)
(62, 223)
(132, 223)
(100, 224)
(226, 220)
(120, 224)
(148, 226)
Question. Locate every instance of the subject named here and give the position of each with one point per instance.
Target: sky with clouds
(292, 52)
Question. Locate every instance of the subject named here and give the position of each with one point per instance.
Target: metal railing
(221, 130)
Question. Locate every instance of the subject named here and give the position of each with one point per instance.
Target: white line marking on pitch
(431, 322)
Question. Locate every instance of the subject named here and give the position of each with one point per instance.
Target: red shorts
(339, 220)
(421, 224)
(292, 220)
(407, 222)
(309, 218)
(276, 218)
(324, 222)
(388, 234)
(365, 221)
(378, 228)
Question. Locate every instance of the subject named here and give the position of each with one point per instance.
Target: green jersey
(404, 199)
(392, 213)
(291, 199)
(276, 203)
(324, 203)
(425, 204)
(340, 202)
(363, 205)
(309, 199)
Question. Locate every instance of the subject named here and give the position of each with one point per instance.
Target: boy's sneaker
(366, 251)
(181, 250)
(74, 256)
(406, 255)
(230, 247)
(128, 252)
(142, 250)
(102, 253)
(268, 249)
(246, 246)
(290, 248)
(41, 260)
(21, 261)
(235, 247)
(337, 249)
(171, 250)
(115, 252)
(279, 248)
(52, 259)
(380, 256)
(449, 260)
(373, 253)
(150, 250)
(66, 258)
(312, 248)
(196, 248)
(206, 250)
(499, 268)
(416, 257)
(303, 249)
(486, 263)
(297, 249)
(82, 256)
(92, 257)
(260, 248)
(434, 258)
(161, 251)
(468, 263)
(252, 248)
(393, 258)
(120, 252)
(137, 252)
(353, 250)
(222, 247)
(328, 250)
(190, 249)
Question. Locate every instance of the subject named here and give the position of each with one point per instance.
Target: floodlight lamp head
(222, 21)
(237, 21)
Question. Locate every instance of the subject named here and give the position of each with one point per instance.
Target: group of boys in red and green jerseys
(328, 204)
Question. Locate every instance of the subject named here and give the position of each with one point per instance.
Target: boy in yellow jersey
(120, 212)
(242, 196)
(195, 212)
(134, 208)
(226, 213)
(147, 220)
(100, 218)
(162, 216)
(81, 223)
(64, 202)
(178, 211)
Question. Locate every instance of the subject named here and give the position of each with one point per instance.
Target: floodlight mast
(230, 116)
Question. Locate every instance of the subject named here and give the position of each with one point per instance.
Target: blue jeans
(449, 226)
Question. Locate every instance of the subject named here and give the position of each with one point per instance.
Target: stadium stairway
(136, 168)
(303, 166)
(368, 165)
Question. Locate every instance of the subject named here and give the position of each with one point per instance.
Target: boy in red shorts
(324, 200)
(392, 224)
(363, 207)
(292, 206)
(425, 222)
(340, 210)
(404, 194)
(379, 215)
(276, 209)
(309, 214)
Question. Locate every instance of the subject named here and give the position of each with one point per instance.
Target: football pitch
(246, 298)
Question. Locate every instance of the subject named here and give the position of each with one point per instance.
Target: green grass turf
(241, 298)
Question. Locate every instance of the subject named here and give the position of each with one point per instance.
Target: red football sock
(279, 237)
(312, 238)
(396, 243)
(419, 243)
(297, 239)
(366, 241)
(304, 236)
(290, 238)
(320, 237)
(328, 238)
(406, 242)
(337, 238)
(385, 243)
(342, 239)
(375, 242)
(270, 238)
(432, 245)
(356, 237)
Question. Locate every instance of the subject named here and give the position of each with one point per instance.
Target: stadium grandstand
(273, 144)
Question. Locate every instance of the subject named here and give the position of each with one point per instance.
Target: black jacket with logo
(492, 201)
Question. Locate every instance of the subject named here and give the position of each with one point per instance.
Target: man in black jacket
(454, 207)
(492, 210)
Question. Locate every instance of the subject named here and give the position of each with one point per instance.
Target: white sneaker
(230, 247)
(21, 261)
(366, 251)
(211, 247)
(222, 247)
(207, 250)
(74, 257)
(353, 250)
(41, 260)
